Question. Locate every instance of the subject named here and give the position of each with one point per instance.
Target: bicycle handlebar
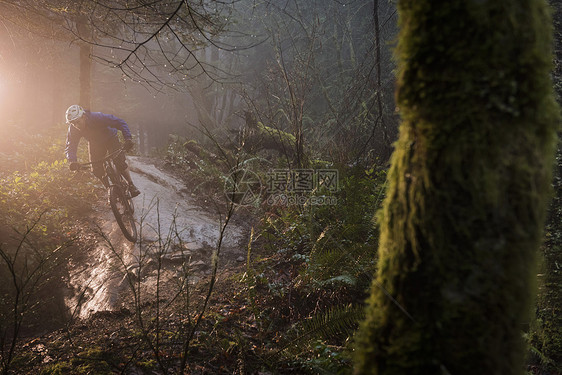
(110, 156)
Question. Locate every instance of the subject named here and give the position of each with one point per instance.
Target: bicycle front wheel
(123, 212)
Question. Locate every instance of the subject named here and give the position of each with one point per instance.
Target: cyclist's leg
(121, 165)
(132, 188)
(98, 151)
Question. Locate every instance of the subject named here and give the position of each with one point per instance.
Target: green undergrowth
(35, 183)
(310, 260)
(292, 307)
(313, 266)
(40, 204)
(201, 168)
(545, 332)
(336, 243)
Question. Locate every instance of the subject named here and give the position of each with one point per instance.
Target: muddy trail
(175, 232)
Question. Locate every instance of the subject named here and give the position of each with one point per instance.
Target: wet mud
(175, 233)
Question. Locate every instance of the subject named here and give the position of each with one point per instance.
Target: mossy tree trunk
(468, 189)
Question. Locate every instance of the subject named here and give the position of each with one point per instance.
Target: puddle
(166, 214)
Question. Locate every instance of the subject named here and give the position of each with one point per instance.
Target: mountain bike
(120, 198)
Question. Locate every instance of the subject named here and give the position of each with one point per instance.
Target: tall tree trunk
(378, 66)
(85, 64)
(142, 139)
(468, 190)
(57, 114)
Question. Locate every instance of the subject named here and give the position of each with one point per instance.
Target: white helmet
(74, 112)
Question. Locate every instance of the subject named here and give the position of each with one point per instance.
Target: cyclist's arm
(72, 141)
(120, 124)
(114, 122)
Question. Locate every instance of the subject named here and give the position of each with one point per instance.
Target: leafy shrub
(35, 181)
(337, 242)
(201, 168)
(335, 248)
(47, 190)
(38, 195)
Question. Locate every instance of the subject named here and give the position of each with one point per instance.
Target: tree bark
(57, 107)
(468, 189)
(378, 66)
(85, 99)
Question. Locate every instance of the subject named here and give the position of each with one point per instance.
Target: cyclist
(101, 132)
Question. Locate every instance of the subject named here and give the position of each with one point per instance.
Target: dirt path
(168, 216)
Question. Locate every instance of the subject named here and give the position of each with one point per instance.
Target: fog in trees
(318, 70)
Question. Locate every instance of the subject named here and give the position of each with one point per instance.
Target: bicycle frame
(104, 161)
(120, 198)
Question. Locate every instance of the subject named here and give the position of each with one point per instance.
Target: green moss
(468, 187)
(277, 135)
(92, 361)
(148, 364)
(60, 368)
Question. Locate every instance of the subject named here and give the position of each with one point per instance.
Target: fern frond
(348, 266)
(539, 354)
(337, 320)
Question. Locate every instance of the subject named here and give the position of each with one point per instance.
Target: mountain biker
(101, 132)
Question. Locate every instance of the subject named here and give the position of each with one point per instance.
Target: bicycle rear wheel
(123, 212)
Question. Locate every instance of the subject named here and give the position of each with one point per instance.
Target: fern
(350, 265)
(543, 359)
(336, 321)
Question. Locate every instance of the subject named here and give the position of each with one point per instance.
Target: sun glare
(3, 104)
(7, 99)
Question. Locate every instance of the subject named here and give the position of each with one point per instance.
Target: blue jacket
(100, 128)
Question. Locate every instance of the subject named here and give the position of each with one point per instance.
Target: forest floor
(160, 305)
(175, 228)
(141, 308)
